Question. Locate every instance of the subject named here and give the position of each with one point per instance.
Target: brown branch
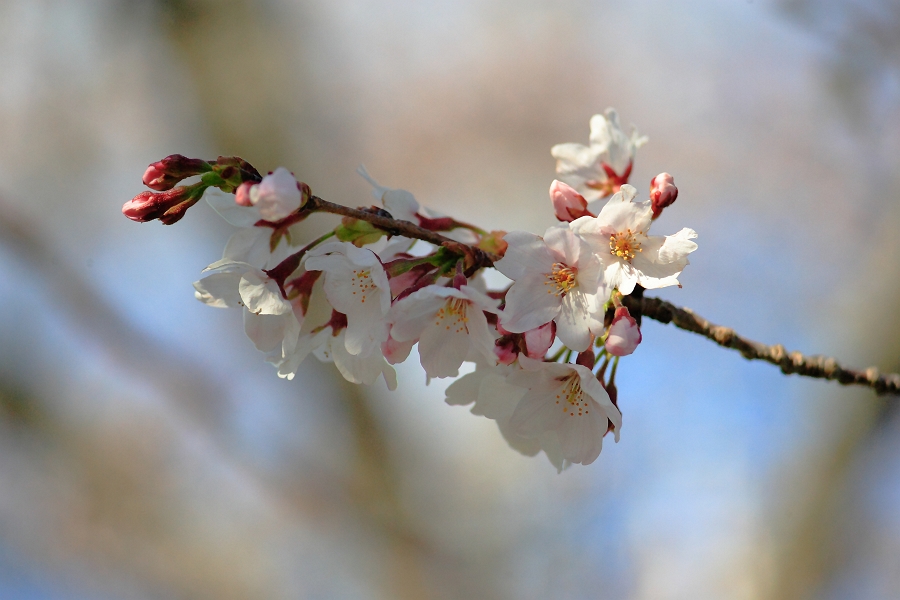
(475, 257)
(821, 367)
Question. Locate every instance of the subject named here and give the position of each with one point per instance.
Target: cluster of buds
(390, 277)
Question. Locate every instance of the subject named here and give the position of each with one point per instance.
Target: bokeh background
(146, 450)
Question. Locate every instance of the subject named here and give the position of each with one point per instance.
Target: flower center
(562, 279)
(571, 397)
(624, 245)
(361, 284)
(453, 315)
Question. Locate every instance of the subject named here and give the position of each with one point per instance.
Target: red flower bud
(662, 193)
(164, 174)
(168, 206)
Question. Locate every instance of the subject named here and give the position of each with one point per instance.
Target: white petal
(219, 290)
(262, 296)
(576, 159)
(266, 331)
(576, 320)
(228, 209)
(564, 244)
(442, 348)
(412, 315)
(537, 412)
(581, 436)
(530, 303)
(678, 246)
(249, 245)
(526, 253)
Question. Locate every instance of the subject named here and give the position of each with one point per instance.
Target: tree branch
(821, 367)
(816, 366)
(476, 258)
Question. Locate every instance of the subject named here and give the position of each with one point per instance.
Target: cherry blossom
(601, 168)
(487, 390)
(269, 319)
(448, 323)
(628, 255)
(556, 278)
(357, 286)
(567, 399)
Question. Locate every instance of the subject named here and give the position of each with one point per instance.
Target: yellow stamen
(624, 245)
(561, 279)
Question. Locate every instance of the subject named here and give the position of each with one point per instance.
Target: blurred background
(147, 451)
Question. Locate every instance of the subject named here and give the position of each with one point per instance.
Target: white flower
(556, 278)
(567, 399)
(276, 196)
(600, 169)
(357, 286)
(496, 399)
(448, 323)
(629, 256)
(269, 319)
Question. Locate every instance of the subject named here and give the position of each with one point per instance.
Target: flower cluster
(396, 275)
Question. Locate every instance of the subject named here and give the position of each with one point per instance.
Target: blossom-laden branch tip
(397, 275)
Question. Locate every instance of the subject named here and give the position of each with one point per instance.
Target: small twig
(821, 367)
(476, 258)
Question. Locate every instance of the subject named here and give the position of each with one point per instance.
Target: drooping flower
(448, 322)
(487, 390)
(355, 368)
(357, 286)
(270, 320)
(556, 278)
(567, 399)
(601, 168)
(624, 334)
(618, 236)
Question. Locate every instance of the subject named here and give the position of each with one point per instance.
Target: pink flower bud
(278, 195)
(662, 192)
(624, 334)
(568, 204)
(164, 174)
(539, 340)
(242, 194)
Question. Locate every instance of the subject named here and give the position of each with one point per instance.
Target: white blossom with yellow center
(356, 285)
(448, 323)
(556, 278)
(629, 256)
(567, 399)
